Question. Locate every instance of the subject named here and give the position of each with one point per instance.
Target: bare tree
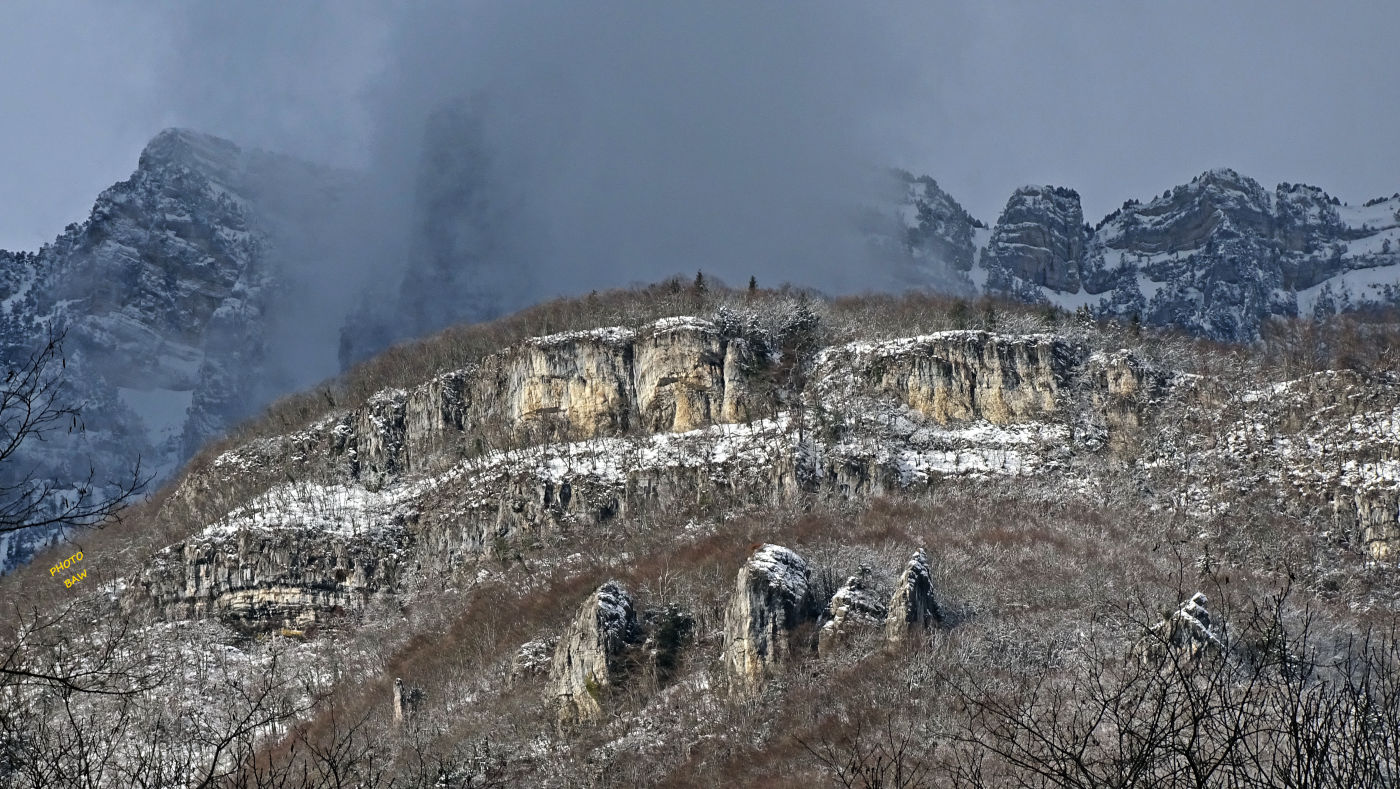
(35, 404)
(888, 752)
(1276, 702)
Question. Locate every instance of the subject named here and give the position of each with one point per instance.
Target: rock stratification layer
(585, 429)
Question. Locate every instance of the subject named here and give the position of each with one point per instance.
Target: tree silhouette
(35, 405)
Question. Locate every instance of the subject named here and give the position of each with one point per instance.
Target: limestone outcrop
(680, 413)
(591, 657)
(1188, 633)
(265, 578)
(679, 376)
(854, 608)
(912, 609)
(770, 600)
(960, 375)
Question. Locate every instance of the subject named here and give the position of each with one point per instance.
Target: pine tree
(958, 314)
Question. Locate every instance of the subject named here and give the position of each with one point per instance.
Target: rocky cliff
(770, 601)
(1217, 257)
(757, 498)
(583, 429)
(164, 294)
(587, 427)
(589, 661)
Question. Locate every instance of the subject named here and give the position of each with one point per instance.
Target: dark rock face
(1040, 239)
(1216, 257)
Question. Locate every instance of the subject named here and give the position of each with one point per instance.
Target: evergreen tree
(958, 314)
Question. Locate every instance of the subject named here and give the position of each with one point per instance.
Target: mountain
(186, 295)
(698, 537)
(164, 294)
(1217, 257)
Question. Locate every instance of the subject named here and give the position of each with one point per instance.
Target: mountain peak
(192, 149)
(1226, 177)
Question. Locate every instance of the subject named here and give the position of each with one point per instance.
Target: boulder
(1188, 633)
(770, 600)
(591, 656)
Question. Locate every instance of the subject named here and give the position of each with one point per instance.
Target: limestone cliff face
(962, 375)
(1125, 389)
(562, 435)
(680, 375)
(770, 600)
(266, 578)
(655, 422)
(590, 657)
(570, 387)
(676, 375)
(680, 378)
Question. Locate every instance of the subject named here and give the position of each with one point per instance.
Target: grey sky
(1116, 100)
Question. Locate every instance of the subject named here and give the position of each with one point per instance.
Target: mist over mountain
(759, 394)
(170, 298)
(197, 291)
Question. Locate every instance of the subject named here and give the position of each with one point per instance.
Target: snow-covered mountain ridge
(163, 293)
(1217, 257)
